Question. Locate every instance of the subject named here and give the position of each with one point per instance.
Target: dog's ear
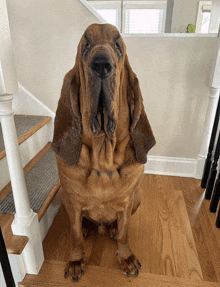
(140, 129)
(67, 139)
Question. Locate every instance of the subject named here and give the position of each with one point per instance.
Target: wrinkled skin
(101, 139)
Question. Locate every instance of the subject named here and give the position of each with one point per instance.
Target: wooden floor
(172, 233)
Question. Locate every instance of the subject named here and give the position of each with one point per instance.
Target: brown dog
(101, 139)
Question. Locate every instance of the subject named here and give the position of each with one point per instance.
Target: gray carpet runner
(23, 124)
(39, 180)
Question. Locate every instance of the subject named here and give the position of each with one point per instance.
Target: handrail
(6, 268)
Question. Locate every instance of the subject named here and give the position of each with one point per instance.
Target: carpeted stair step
(51, 274)
(33, 133)
(42, 182)
(26, 126)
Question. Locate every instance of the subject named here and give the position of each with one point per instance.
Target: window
(133, 16)
(143, 21)
(110, 15)
(144, 16)
(109, 10)
(205, 22)
(203, 16)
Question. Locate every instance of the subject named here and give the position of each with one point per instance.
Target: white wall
(184, 13)
(174, 72)
(45, 34)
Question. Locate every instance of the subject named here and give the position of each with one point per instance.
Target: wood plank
(212, 219)
(29, 133)
(146, 241)
(211, 241)
(14, 244)
(159, 235)
(206, 239)
(164, 236)
(51, 274)
(56, 242)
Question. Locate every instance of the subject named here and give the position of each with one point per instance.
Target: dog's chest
(108, 194)
(103, 187)
(103, 212)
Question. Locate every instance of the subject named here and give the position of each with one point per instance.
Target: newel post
(210, 115)
(26, 221)
(207, 130)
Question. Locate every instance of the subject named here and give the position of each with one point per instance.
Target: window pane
(110, 15)
(143, 20)
(205, 22)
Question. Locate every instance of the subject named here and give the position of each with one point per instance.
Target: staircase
(40, 169)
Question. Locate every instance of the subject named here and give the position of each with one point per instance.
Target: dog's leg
(114, 230)
(76, 266)
(128, 261)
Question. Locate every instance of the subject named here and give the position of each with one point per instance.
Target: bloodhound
(101, 139)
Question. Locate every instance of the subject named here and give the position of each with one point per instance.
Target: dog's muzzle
(101, 65)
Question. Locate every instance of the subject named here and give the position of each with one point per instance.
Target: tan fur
(101, 171)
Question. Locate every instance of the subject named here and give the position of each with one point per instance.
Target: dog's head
(102, 53)
(93, 88)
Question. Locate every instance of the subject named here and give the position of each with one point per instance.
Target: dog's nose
(102, 65)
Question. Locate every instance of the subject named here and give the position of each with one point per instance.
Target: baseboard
(25, 103)
(184, 167)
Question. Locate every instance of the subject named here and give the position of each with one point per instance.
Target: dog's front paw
(130, 265)
(74, 269)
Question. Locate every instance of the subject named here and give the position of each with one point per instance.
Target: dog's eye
(118, 50)
(87, 45)
(117, 46)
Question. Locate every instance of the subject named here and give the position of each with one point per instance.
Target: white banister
(26, 221)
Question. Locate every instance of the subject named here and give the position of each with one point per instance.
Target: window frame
(207, 5)
(130, 4)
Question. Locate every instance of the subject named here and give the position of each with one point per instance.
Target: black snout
(102, 65)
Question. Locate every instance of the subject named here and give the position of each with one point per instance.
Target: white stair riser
(49, 216)
(17, 268)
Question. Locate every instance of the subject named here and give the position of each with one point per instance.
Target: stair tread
(25, 127)
(51, 274)
(15, 244)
